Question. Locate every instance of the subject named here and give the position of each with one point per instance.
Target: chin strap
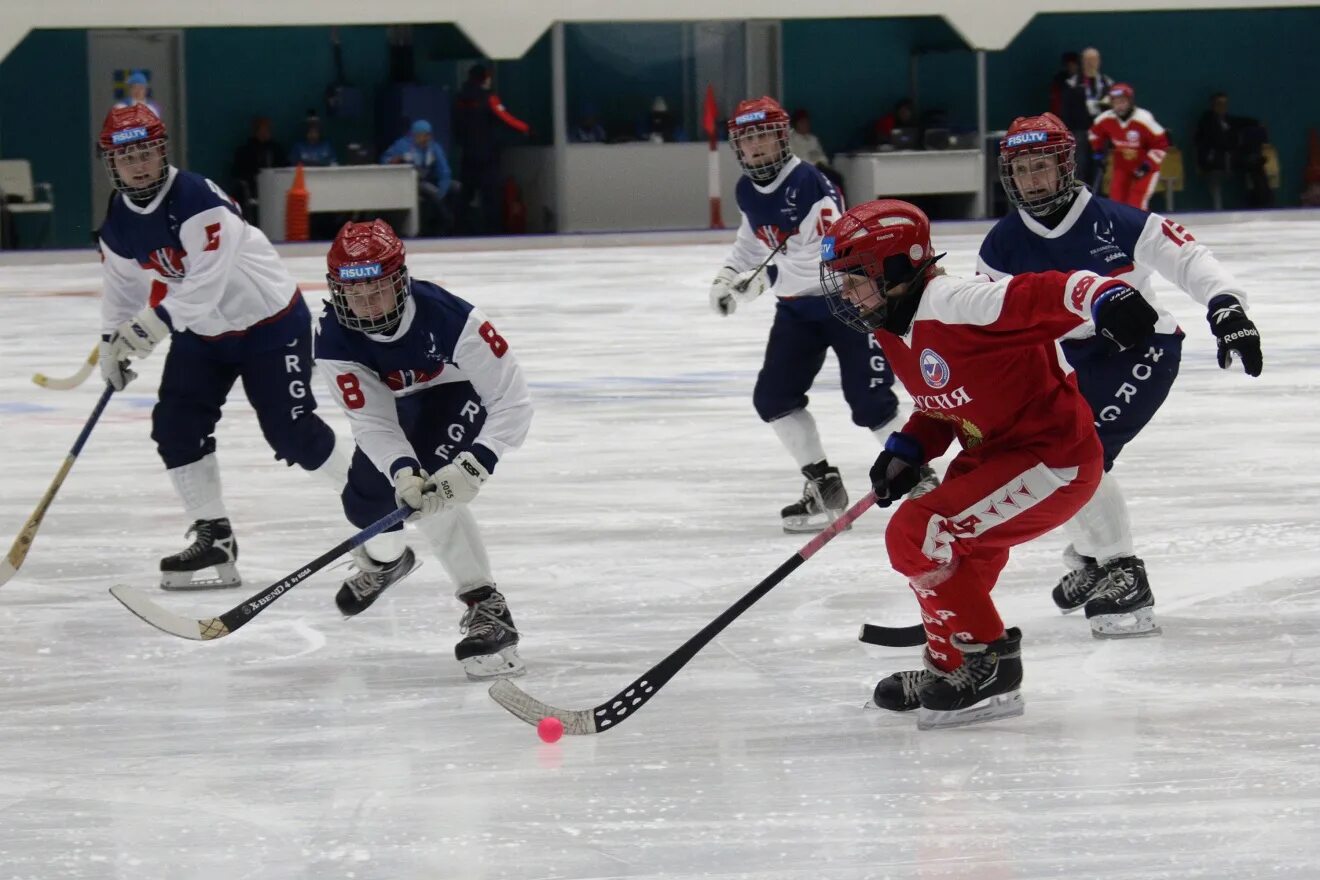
(900, 311)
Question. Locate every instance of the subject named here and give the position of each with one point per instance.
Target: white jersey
(381, 381)
(192, 256)
(1112, 239)
(791, 212)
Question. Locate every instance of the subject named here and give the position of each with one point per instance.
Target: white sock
(386, 547)
(335, 468)
(198, 487)
(797, 431)
(457, 542)
(1102, 528)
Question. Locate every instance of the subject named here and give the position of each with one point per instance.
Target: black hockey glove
(1123, 316)
(897, 470)
(1141, 171)
(1235, 334)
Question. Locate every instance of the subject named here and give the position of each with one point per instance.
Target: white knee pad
(457, 542)
(1103, 528)
(387, 546)
(335, 468)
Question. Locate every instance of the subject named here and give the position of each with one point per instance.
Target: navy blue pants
(274, 360)
(1125, 388)
(439, 422)
(802, 332)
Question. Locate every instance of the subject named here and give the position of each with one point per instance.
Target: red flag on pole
(711, 115)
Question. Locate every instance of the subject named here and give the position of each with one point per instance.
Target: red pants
(952, 543)
(1125, 188)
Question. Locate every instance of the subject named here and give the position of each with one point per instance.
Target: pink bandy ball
(550, 729)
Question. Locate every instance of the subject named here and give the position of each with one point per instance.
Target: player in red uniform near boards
(1139, 144)
(985, 353)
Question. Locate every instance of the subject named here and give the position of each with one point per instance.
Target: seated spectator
(588, 129)
(806, 146)
(138, 88)
(434, 179)
(312, 150)
(258, 152)
(660, 127)
(903, 116)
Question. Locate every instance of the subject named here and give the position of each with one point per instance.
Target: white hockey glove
(459, 481)
(410, 488)
(721, 292)
(750, 284)
(114, 371)
(139, 336)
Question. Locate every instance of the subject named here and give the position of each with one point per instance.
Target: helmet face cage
(1039, 204)
(363, 305)
(135, 156)
(855, 289)
(765, 167)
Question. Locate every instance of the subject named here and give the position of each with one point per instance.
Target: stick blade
(523, 705)
(893, 636)
(167, 621)
(7, 570)
(56, 384)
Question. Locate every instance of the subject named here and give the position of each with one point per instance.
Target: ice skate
(214, 546)
(984, 688)
(823, 500)
(1082, 581)
(372, 578)
(489, 648)
(1124, 605)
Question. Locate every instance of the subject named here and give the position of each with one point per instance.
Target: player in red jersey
(986, 355)
(1139, 144)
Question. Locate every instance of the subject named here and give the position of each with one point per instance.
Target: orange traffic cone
(297, 226)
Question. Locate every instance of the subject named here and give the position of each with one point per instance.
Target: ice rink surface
(644, 502)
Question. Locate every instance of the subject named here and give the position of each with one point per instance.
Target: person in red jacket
(1139, 144)
(982, 363)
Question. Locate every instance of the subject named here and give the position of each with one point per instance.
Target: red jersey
(1137, 139)
(983, 365)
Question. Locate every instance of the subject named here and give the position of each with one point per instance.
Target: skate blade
(1132, 624)
(810, 525)
(504, 664)
(226, 577)
(872, 705)
(1008, 705)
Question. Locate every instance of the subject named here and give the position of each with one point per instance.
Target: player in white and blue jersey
(180, 262)
(436, 399)
(786, 207)
(1059, 224)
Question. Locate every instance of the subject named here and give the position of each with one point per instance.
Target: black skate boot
(213, 546)
(1124, 605)
(362, 589)
(1082, 581)
(489, 648)
(985, 687)
(823, 499)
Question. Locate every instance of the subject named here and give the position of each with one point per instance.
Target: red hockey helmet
(367, 277)
(1038, 164)
(1122, 90)
(132, 146)
(868, 251)
(758, 133)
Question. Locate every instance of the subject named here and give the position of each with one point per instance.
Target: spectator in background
(260, 151)
(806, 146)
(588, 129)
(1085, 98)
(660, 126)
(312, 150)
(904, 115)
(434, 179)
(138, 87)
(479, 119)
(1069, 65)
(1230, 145)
